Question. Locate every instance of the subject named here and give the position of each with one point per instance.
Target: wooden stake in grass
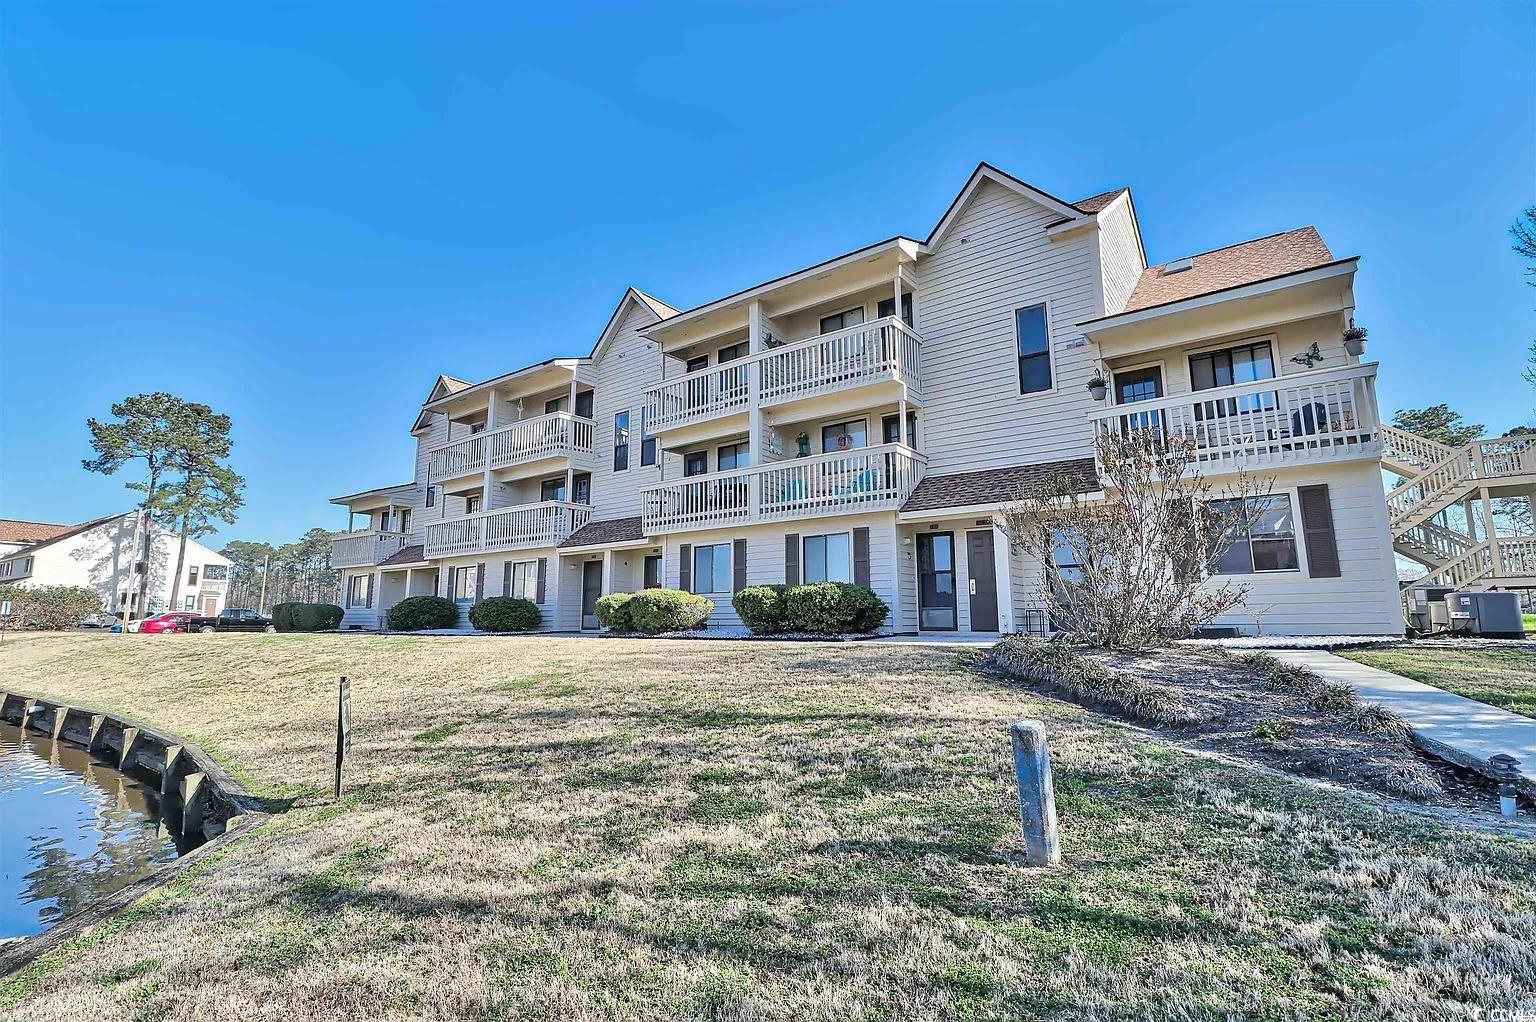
(343, 730)
(1037, 793)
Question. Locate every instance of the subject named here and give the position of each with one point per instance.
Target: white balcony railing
(886, 349)
(526, 526)
(876, 352)
(1315, 416)
(847, 482)
(558, 434)
(360, 549)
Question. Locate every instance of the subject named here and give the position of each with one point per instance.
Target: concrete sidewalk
(1450, 726)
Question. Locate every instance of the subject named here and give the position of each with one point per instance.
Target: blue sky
(300, 214)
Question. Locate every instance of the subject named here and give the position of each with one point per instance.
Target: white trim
(693, 567)
(1050, 351)
(939, 514)
(823, 535)
(981, 175)
(1303, 568)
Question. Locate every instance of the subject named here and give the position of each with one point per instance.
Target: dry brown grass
(577, 829)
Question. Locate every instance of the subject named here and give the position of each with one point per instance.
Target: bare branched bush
(1132, 570)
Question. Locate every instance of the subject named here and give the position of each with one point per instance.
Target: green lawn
(1505, 678)
(1530, 623)
(619, 829)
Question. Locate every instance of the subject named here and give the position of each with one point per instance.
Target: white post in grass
(1037, 793)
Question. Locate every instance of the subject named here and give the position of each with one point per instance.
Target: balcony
(1326, 415)
(556, 435)
(882, 351)
(853, 482)
(365, 548)
(527, 526)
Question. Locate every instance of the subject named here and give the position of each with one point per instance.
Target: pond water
(72, 830)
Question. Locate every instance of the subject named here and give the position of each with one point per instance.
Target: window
(1034, 337)
(730, 456)
(431, 496)
(653, 571)
(464, 583)
(696, 363)
(621, 441)
(557, 404)
(215, 573)
(1064, 556)
(695, 463)
(472, 503)
(842, 320)
(403, 519)
(552, 489)
(712, 568)
(358, 588)
(891, 435)
(190, 603)
(525, 580)
(1245, 363)
(887, 306)
(1266, 539)
(844, 436)
(192, 575)
(583, 489)
(584, 404)
(731, 353)
(827, 558)
(647, 442)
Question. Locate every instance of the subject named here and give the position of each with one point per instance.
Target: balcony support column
(1493, 532)
(754, 384)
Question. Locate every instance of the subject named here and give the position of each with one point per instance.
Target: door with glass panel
(1144, 384)
(936, 581)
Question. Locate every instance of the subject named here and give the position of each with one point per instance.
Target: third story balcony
(545, 438)
(871, 362)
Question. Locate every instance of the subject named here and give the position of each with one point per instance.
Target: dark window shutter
(861, 557)
(739, 566)
(792, 559)
(538, 596)
(506, 578)
(1187, 540)
(369, 603)
(685, 567)
(1317, 527)
(479, 581)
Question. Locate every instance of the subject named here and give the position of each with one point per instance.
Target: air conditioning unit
(1426, 610)
(1490, 615)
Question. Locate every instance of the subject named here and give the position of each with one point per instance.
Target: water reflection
(72, 830)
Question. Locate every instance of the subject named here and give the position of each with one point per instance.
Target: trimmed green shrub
(418, 613)
(654, 611)
(830, 608)
(613, 612)
(763, 609)
(505, 614)
(282, 616)
(310, 617)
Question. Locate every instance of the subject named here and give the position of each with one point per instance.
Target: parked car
(171, 621)
(235, 619)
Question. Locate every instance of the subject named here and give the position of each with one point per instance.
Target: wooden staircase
(1438, 478)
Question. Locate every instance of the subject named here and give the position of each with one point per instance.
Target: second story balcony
(364, 548)
(1323, 415)
(847, 482)
(556, 436)
(525, 527)
(878, 360)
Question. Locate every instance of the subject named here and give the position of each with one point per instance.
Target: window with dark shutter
(1317, 529)
(861, 557)
(479, 581)
(685, 567)
(792, 559)
(539, 591)
(739, 566)
(506, 578)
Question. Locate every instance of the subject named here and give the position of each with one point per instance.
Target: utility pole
(261, 601)
(133, 560)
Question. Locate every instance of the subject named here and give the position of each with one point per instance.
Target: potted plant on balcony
(1354, 340)
(1098, 386)
(802, 444)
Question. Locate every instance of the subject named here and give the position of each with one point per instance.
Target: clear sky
(300, 214)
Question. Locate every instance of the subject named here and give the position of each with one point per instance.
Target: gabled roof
(13, 530)
(1219, 269)
(444, 386)
(661, 310)
(1094, 203)
(380, 490)
(997, 486)
(69, 533)
(612, 530)
(985, 172)
(405, 555)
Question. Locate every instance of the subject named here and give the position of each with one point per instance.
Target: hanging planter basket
(1354, 341)
(1098, 387)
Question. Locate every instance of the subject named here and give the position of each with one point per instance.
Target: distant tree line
(261, 574)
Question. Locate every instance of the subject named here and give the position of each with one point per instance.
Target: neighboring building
(95, 555)
(18, 535)
(864, 419)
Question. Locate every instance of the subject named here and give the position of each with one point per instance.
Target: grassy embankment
(557, 828)
(1500, 677)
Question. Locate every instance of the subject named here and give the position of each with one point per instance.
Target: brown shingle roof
(1233, 266)
(999, 485)
(1098, 202)
(405, 555)
(613, 530)
(14, 531)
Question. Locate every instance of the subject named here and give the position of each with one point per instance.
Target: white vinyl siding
(620, 376)
(1119, 256)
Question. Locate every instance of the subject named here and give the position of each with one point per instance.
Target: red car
(174, 621)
